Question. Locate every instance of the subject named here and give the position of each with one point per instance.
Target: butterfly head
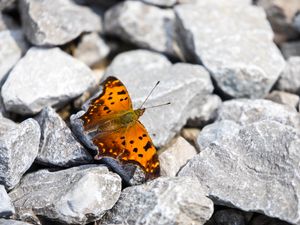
(139, 112)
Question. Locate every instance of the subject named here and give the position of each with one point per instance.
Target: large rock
(143, 25)
(12, 222)
(162, 201)
(6, 207)
(78, 195)
(19, 145)
(254, 167)
(57, 22)
(289, 79)
(52, 76)
(58, 147)
(245, 111)
(238, 49)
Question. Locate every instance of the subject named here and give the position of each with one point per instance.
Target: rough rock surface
(57, 22)
(238, 50)
(124, 20)
(162, 201)
(176, 155)
(253, 168)
(19, 145)
(6, 207)
(77, 195)
(12, 222)
(289, 79)
(284, 98)
(58, 147)
(91, 49)
(54, 79)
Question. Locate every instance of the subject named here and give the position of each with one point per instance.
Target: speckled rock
(132, 21)
(55, 23)
(91, 49)
(253, 168)
(54, 79)
(162, 201)
(174, 156)
(6, 207)
(238, 50)
(284, 98)
(289, 79)
(19, 145)
(58, 147)
(12, 222)
(78, 195)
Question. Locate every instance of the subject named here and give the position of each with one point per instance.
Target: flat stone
(19, 146)
(54, 79)
(284, 98)
(58, 147)
(162, 201)
(245, 111)
(6, 207)
(174, 156)
(238, 50)
(290, 49)
(91, 49)
(289, 79)
(12, 222)
(162, 3)
(144, 25)
(56, 23)
(78, 195)
(254, 169)
(13, 45)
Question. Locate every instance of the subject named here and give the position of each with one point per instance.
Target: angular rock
(176, 155)
(163, 3)
(162, 201)
(6, 207)
(53, 77)
(143, 25)
(58, 147)
(19, 146)
(56, 23)
(281, 14)
(289, 79)
(12, 222)
(245, 111)
(13, 45)
(92, 49)
(290, 49)
(78, 195)
(238, 50)
(284, 98)
(254, 170)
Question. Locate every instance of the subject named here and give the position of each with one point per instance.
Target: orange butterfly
(117, 132)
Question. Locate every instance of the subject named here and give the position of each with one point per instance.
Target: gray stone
(238, 50)
(245, 111)
(290, 49)
(54, 79)
(13, 45)
(7, 22)
(174, 156)
(58, 147)
(12, 222)
(144, 25)
(91, 49)
(162, 201)
(7, 4)
(163, 3)
(6, 207)
(289, 79)
(57, 22)
(78, 195)
(284, 98)
(19, 147)
(255, 170)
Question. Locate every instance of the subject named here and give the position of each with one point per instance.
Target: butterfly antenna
(149, 94)
(168, 103)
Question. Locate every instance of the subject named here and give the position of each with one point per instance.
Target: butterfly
(116, 129)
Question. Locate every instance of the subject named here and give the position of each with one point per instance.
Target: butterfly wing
(113, 99)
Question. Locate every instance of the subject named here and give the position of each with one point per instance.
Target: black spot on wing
(123, 92)
(147, 146)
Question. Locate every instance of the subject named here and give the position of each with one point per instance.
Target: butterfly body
(115, 129)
